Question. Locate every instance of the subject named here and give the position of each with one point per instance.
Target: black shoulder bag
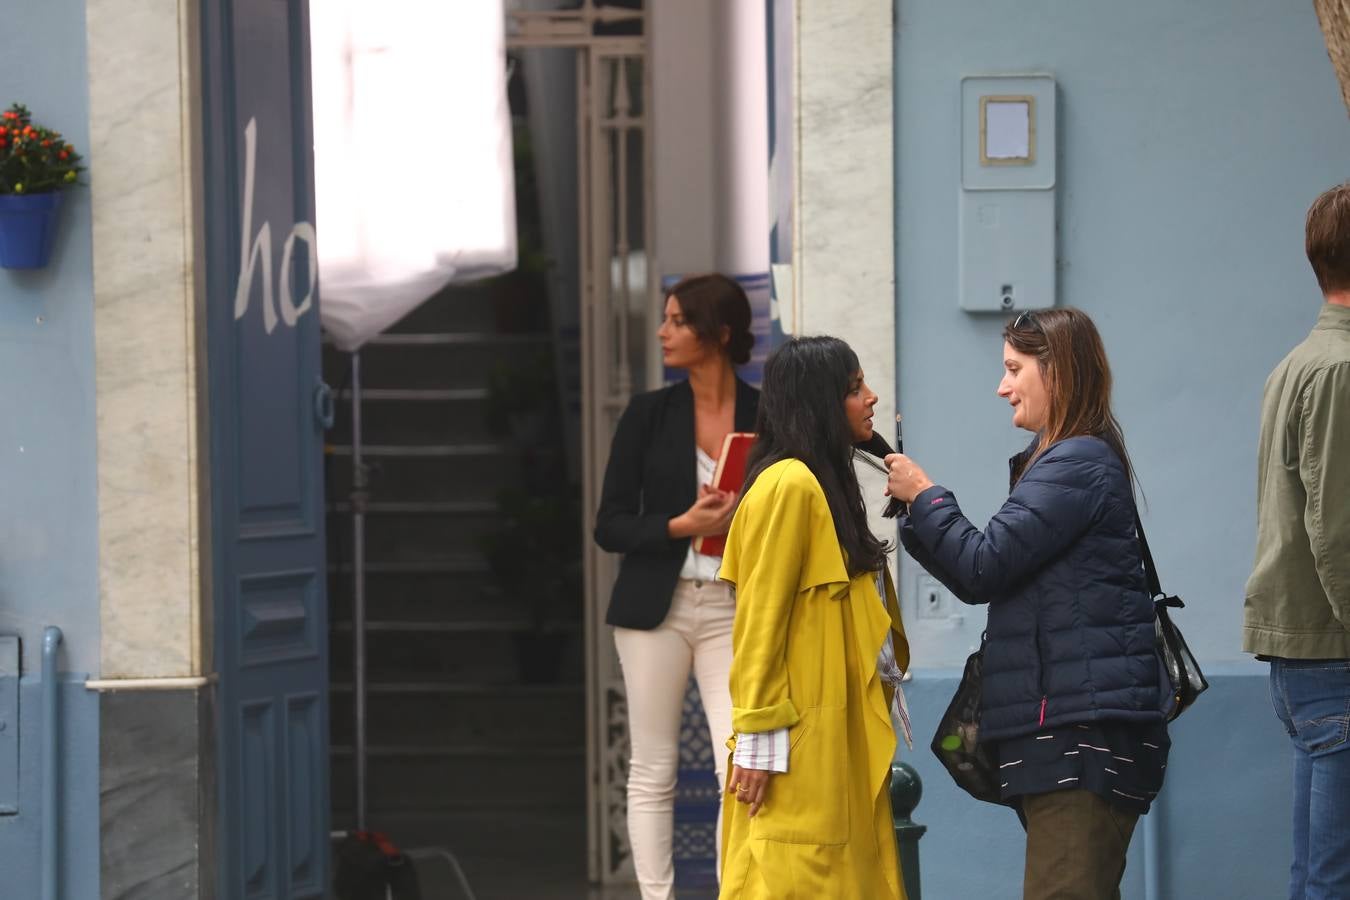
(957, 741)
(1184, 677)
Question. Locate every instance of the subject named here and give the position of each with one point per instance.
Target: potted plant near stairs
(36, 165)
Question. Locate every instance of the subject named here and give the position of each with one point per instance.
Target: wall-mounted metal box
(1006, 254)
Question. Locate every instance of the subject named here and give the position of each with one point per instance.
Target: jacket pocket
(809, 804)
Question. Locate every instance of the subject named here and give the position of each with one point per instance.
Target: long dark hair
(1072, 359)
(801, 416)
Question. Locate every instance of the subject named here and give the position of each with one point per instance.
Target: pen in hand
(893, 506)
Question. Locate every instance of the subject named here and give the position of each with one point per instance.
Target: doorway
(483, 420)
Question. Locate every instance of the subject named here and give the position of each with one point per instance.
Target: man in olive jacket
(1298, 597)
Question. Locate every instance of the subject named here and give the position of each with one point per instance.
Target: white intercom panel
(1006, 257)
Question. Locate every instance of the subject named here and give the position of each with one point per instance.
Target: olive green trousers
(1076, 844)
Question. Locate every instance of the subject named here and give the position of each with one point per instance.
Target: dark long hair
(1072, 359)
(801, 416)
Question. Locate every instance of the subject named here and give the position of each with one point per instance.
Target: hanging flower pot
(36, 165)
(27, 229)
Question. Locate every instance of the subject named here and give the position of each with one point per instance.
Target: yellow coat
(805, 647)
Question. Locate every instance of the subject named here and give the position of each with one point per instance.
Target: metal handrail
(358, 499)
(51, 765)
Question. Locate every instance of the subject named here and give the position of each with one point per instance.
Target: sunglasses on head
(1026, 321)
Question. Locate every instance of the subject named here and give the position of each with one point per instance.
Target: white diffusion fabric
(412, 155)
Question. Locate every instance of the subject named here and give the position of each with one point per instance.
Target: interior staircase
(474, 650)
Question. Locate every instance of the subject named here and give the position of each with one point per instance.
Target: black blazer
(649, 480)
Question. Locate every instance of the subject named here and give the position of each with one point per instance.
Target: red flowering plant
(34, 159)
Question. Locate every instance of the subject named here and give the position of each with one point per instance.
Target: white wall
(843, 250)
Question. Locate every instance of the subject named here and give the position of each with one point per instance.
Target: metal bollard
(906, 790)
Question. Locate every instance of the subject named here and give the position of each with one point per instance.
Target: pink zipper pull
(1042, 722)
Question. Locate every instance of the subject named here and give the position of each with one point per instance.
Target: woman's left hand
(906, 480)
(750, 786)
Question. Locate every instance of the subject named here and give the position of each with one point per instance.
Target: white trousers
(696, 634)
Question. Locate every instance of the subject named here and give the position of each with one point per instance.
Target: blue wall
(1191, 139)
(48, 486)
(1222, 817)
(20, 836)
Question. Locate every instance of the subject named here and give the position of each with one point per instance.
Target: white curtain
(412, 155)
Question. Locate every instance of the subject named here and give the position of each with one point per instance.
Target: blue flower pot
(28, 229)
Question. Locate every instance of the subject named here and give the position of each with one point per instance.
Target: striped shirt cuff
(765, 751)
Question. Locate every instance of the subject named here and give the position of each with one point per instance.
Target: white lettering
(260, 251)
(289, 313)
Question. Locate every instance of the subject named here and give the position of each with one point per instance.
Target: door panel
(265, 446)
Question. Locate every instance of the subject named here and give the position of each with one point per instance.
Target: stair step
(496, 658)
(413, 626)
(417, 420)
(463, 478)
(465, 689)
(456, 338)
(414, 751)
(466, 565)
(490, 304)
(466, 714)
(424, 450)
(417, 537)
(422, 395)
(420, 364)
(462, 598)
(415, 784)
(421, 507)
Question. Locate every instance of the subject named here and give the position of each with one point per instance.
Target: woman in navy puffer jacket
(1071, 704)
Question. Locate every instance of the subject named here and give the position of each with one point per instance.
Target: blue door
(265, 443)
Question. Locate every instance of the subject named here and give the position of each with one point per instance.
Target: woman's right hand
(749, 786)
(711, 514)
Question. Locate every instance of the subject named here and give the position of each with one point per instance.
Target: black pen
(894, 506)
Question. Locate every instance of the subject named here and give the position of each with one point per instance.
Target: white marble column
(844, 249)
(141, 96)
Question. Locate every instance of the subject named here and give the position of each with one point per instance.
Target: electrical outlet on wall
(934, 600)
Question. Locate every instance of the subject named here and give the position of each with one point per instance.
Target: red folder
(729, 476)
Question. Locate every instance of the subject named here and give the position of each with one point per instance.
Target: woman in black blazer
(670, 613)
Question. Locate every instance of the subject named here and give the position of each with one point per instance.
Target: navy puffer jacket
(1070, 635)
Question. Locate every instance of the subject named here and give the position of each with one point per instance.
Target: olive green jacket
(1298, 596)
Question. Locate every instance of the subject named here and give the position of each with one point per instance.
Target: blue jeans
(1312, 699)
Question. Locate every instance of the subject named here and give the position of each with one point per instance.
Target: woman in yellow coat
(807, 812)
